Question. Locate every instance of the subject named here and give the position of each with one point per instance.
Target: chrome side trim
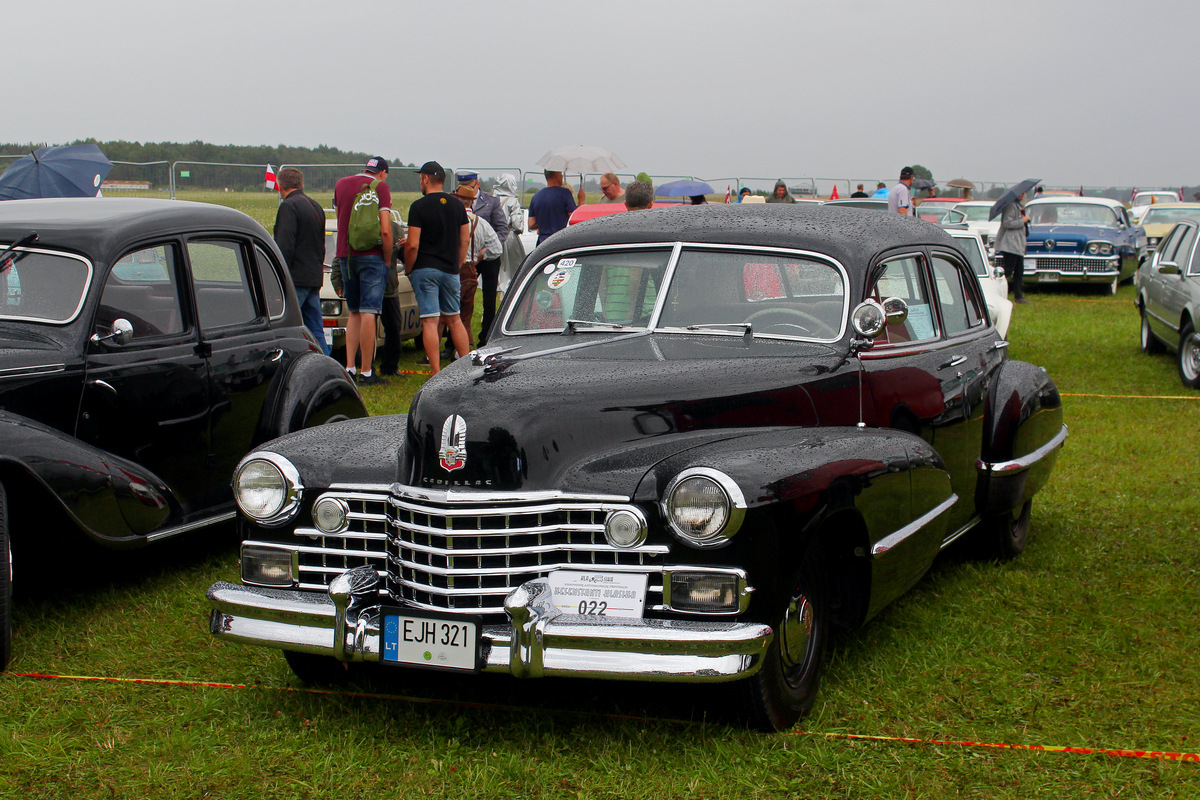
(893, 539)
(191, 526)
(38, 369)
(953, 537)
(1025, 461)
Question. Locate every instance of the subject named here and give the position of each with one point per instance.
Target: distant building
(125, 185)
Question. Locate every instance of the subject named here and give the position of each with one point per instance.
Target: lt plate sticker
(598, 594)
(558, 279)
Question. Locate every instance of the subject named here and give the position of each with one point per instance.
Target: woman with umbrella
(1010, 239)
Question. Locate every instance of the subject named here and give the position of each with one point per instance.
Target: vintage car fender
(1023, 432)
(313, 390)
(369, 450)
(108, 498)
(883, 492)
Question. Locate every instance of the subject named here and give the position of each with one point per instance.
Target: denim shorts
(363, 280)
(437, 292)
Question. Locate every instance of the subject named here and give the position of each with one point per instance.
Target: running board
(953, 537)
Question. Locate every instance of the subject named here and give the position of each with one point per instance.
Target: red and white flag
(834, 196)
(270, 178)
(728, 195)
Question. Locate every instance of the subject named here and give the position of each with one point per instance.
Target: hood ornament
(453, 453)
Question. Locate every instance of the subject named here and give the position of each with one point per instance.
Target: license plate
(430, 640)
(328, 337)
(1031, 265)
(1048, 277)
(599, 594)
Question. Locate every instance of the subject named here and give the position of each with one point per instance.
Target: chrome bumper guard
(538, 641)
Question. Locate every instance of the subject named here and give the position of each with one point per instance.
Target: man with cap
(483, 246)
(364, 272)
(551, 208)
(900, 198)
(438, 240)
(488, 208)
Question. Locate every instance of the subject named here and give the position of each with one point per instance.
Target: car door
(148, 400)
(1165, 298)
(243, 350)
(1131, 242)
(1178, 290)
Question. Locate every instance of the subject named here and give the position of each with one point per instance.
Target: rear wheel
(784, 689)
(1189, 357)
(5, 585)
(1003, 536)
(1148, 342)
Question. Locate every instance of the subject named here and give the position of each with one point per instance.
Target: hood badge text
(453, 452)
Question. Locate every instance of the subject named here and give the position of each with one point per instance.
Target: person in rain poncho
(514, 251)
(781, 194)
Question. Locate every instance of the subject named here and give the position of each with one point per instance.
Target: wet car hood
(1071, 233)
(597, 418)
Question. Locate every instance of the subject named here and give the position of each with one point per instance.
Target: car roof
(1091, 201)
(93, 225)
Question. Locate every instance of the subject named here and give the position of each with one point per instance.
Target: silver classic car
(1169, 300)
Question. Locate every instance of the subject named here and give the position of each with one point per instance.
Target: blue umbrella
(1010, 196)
(72, 171)
(682, 189)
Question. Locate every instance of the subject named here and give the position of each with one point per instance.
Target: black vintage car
(697, 439)
(145, 347)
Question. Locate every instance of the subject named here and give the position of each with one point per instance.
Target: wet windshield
(1072, 214)
(42, 287)
(712, 290)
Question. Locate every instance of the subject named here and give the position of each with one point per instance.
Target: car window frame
(183, 283)
(244, 243)
(924, 271)
(970, 285)
(276, 272)
(83, 297)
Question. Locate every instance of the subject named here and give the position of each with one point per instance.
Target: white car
(974, 214)
(1143, 200)
(992, 279)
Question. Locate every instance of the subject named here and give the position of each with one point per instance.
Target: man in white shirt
(899, 198)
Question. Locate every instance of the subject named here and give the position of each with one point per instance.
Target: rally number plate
(430, 640)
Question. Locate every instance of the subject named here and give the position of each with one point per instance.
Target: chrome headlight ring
(267, 488)
(1100, 248)
(720, 518)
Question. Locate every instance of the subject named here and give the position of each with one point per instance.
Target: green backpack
(364, 232)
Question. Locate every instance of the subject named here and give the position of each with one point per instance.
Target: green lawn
(1088, 640)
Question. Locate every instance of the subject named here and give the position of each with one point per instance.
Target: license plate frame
(1047, 277)
(395, 651)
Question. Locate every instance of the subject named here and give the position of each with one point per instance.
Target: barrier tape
(1134, 396)
(1042, 748)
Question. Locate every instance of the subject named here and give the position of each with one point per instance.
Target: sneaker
(372, 380)
(423, 360)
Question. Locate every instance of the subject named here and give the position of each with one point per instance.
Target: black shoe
(1022, 301)
(372, 380)
(394, 372)
(423, 360)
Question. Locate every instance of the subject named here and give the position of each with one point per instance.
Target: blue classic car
(1081, 240)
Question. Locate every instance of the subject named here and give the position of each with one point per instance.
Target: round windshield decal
(558, 279)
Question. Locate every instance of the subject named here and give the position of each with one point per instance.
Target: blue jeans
(437, 292)
(363, 280)
(310, 309)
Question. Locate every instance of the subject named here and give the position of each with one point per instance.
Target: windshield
(970, 247)
(1071, 214)
(1158, 215)
(42, 287)
(714, 290)
(974, 213)
(1146, 198)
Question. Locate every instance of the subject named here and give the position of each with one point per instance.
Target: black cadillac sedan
(698, 439)
(145, 347)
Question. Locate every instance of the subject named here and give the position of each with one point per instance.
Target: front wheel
(1189, 357)
(1003, 536)
(5, 585)
(785, 687)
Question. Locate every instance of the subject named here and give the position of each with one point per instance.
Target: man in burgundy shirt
(364, 272)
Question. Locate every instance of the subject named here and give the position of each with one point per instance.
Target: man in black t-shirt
(438, 233)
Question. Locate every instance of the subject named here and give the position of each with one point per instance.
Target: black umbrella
(1010, 196)
(922, 183)
(72, 171)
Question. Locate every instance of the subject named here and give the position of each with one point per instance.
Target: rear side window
(272, 288)
(223, 293)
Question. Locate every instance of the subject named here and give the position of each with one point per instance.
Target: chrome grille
(1074, 265)
(364, 542)
(457, 555)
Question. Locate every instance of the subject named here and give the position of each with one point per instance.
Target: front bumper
(538, 640)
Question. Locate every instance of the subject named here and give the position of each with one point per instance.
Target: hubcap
(1190, 358)
(796, 631)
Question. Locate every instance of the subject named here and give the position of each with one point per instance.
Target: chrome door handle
(103, 385)
(1000, 345)
(275, 355)
(954, 362)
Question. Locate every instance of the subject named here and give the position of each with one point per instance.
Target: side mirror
(122, 333)
(1168, 268)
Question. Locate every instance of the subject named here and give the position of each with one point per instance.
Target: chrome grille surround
(1073, 265)
(363, 543)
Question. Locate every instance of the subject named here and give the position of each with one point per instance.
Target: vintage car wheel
(784, 689)
(1149, 343)
(5, 585)
(1004, 535)
(1189, 357)
(784, 316)
(314, 670)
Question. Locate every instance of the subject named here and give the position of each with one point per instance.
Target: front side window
(223, 293)
(904, 278)
(1186, 239)
(959, 306)
(143, 288)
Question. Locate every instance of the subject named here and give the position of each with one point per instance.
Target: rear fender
(313, 390)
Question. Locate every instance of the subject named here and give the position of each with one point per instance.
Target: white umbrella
(581, 158)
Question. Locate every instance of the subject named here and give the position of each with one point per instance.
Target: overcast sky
(1091, 92)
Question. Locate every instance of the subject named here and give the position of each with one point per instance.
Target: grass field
(1088, 640)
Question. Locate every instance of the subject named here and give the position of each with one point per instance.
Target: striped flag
(728, 193)
(270, 178)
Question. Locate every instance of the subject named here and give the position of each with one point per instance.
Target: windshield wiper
(573, 323)
(7, 260)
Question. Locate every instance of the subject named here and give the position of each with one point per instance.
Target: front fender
(370, 450)
(313, 390)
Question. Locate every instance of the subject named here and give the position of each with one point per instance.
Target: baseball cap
(376, 164)
(467, 177)
(906, 172)
(433, 169)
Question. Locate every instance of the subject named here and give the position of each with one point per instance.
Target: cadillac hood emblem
(453, 452)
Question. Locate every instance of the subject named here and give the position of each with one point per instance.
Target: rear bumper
(537, 641)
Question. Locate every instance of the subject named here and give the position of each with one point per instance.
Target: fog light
(267, 565)
(625, 528)
(705, 592)
(330, 514)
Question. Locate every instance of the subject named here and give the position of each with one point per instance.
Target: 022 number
(592, 608)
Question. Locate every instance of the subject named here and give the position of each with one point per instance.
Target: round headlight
(330, 514)
(703, 507)
(267, 488)
(624, 528)
(1093, 248)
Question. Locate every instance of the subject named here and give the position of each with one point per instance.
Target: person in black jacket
(300, 234)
